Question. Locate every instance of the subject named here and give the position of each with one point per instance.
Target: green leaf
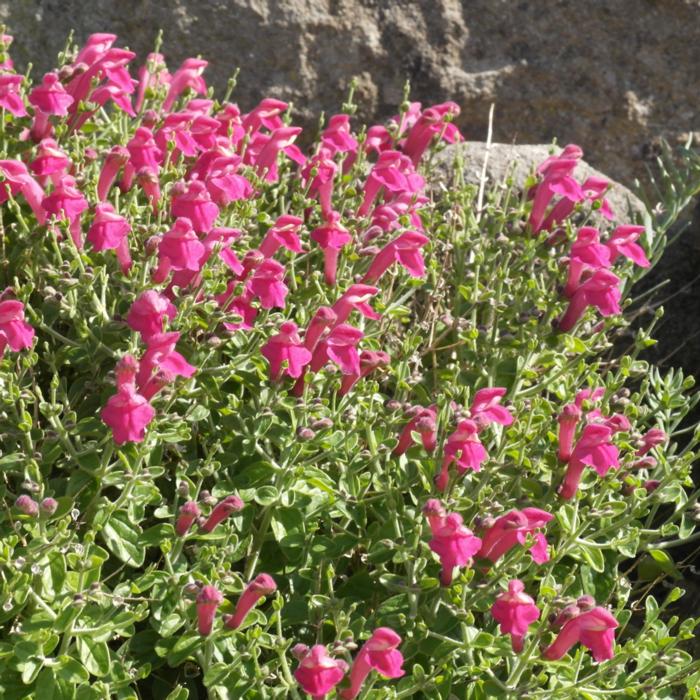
(71, 670)
(94, 655)
(122, 539)
(179, 693)
(184, 648)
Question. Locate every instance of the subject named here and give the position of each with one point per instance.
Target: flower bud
(27, 505)
(48, 506)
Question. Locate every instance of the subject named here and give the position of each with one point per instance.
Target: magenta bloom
(109, 231)
(261, 586)
(454, 543)
(284, 233)
(127, 412)
(337, 138)
(14, 330)
(370, 360)
(593, 449)
(424, 423)
(515, 611)
(464, 448)
(623, 241)
(193, 201)
(332, 237)
(379, 652)
(431, 123)
(222, 510)
(10, 96)
(486, 408)
(161, 363)
(152, 75)
(318, 672)
(587, 255)
(650, 439)
(67, 202)
(404, 249)
(189, 512)
(265, 114)
(394, 174)
(179, 249)
(224, 183)
(50, 97)
(50, 161)
(595, 629)
(323, 319)
(188, 75)
(115, 160)
(357, 297)
(512, 529)
(264, 150)
(148, 312)
(208, 600)
(568, 420)
(339, 346)
(17, 177)
(601, 290)
(286, 353)
(267, 284)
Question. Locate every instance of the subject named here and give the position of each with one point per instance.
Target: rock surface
(610, 76)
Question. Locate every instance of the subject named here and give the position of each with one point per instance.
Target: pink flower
(14, 330)
(188, 75)
(332, 237)
(486, 408)
(266, 114)
(568, 420)
(284, 233)
(222, 510)
(189, 512)
(67, 202)
(50, 160)
(208, 600)
(318, 673)
(379, 652)
(19, 180)
(370, 360)
(515, 611)
(650, 439)
(109, 231)
(286, 353)
(322, 183)
(593, 449)
(394, 174)
(512, 529)
(179, 249)
(337, 138)
(264, 150)
(587, 255)
(431, 123)
(601, 290)
(339, 346)
(143, 153)
(404, 249)
(127, 412)
(267, 284)
(454, 543)
(10, 96)
(116, 159)
(193, 201)
(464, 449)
(424, 423)
(152, 75)
(261, 586)
(50, 97)
(594, 189)
(623, 241)
(357, 297)
(161, 363)
(323, 319)
(148, 312)
(225, 185)
(595, 629)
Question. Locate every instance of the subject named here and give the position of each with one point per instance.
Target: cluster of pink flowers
(190, 513)
(318, 672)
(210, 598)
(15, 332)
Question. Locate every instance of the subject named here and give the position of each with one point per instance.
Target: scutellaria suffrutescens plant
(326, 422)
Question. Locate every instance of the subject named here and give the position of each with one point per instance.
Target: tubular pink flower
(454, 543)
(194, 203)
(356, 296)
(486, 408)
(322, 182)
(260, 587)
(556, 179)
(222, 510)
(188, 75)
(148, 312)
(67, 202)
(512, 529)
(395, 174)
(515, 611)
(323, 319)
(284, 233)
(587, 255)
(116, 159)
(593, 449)
(404, 249)
(50, 97)
(594, 189)
(370, 360)
(267, 284)
(464, 449)
(286, 353)
(189, 512)
(152, 75)
(143, 153)
(225, 185)
(10, 96)
(50, 161)
(600, 290)
(95, 47)
(424, 422)
(239, 305)
(14, 330)
(650, 439)
(15, 175)
(332, 237)
(568, 420)
(265, 159)
(179, 249)
(339, 346)
(109, 231)
(266, 114)
(431, 123)
(148, 181)
(623, 241)
(162, 359)
(318, 673)
(594, 629)
(379, 652)
(208, 600)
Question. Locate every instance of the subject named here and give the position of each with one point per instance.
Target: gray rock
(610, 76)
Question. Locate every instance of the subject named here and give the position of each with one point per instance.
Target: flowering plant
(281, 421)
